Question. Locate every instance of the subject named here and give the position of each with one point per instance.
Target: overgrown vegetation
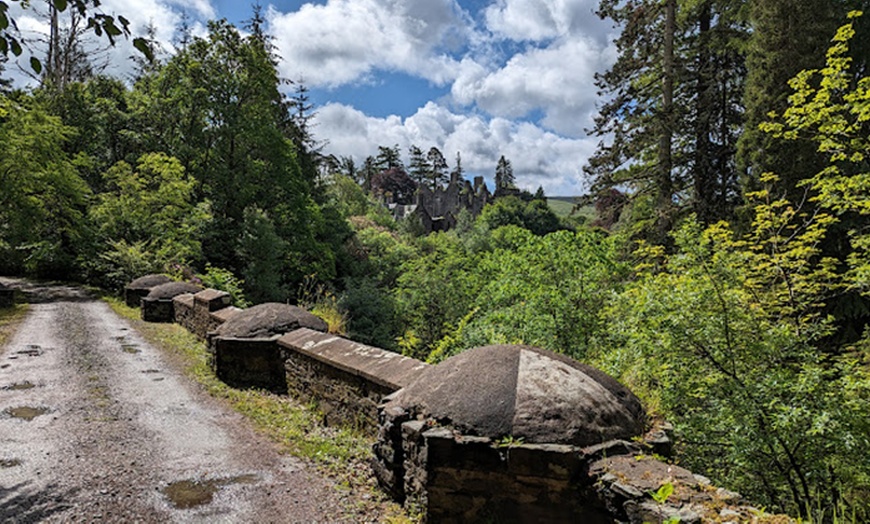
(725, 275)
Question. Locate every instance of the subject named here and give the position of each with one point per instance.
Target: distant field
(562, 206)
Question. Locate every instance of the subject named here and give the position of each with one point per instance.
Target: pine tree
(504, 176)
(673, 111)
(419, 167)
(437, 168)
(389, 158)
(787, 36)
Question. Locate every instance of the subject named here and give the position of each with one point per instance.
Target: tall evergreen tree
(673, 109)
(418, 165)
(216, 106)
(504, 176)
(437, 168)
(788, 36)
(389, 158)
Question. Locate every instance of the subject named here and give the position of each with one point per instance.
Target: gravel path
(96, 425)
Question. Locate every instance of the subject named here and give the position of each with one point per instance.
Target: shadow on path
(21, 503)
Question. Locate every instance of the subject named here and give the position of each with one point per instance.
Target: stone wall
(249, 362)
(158, 310)
(7, 296)
(348, 379)
(182, 309)
(195, 311)
(433, 467)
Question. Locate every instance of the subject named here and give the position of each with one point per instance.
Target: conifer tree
(419, 167)
(437, 168)
(788, 36)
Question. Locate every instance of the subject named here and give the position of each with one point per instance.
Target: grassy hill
(562, 206)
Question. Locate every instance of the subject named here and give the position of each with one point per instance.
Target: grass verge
(10, 318)
(296, 427)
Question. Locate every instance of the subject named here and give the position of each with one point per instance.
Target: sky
(484, 78)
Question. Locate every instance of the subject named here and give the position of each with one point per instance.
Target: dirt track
(96, 425)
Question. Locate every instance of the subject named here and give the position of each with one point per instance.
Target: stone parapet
(250, 362)
(183, 311)
(7, 296)
(347, 378)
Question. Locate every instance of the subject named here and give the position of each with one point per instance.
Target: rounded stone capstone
(525, 392)
(171, 290)
(149, 281)
(269, 319)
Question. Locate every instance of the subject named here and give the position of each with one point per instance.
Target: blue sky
(482, 77)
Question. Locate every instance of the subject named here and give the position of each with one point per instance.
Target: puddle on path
(32, 351)
(150, 371)
(20, 386)
(186, 494)
(27, 413)
(9, 463)
(4, 366)
(130, 348)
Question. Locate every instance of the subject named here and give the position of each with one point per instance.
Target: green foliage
(661, 495)
(146, 220)
(730, 359)
(545, 291)
(536, 215)
(261, 254)
(42, 197)
(319, 299)
(371, 312)
(223, 280)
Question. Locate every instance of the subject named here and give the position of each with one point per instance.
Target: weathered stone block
(138, 289)
(551, 461)
(158, 305)
(158, 310)
(7, 296)
(250, 362)
(183, 311)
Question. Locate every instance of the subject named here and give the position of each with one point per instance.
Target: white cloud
(542, 19)
(557, 80)
(165, 16)
(539, 157)
(346, 40)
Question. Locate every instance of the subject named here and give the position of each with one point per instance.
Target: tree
(395, 186)
(504, 176)
(774, 56)
(673, 110)
(216, 107)
(734, 331)
(438, 168)
(101, 23)
(535, 215)
(152, 208)
(418, 166)
(389, 158)
(42, 197)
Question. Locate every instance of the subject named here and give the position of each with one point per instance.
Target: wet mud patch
(186, 494)
(19, 386)
(9, 463)
(27, 413)
(149, 371)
